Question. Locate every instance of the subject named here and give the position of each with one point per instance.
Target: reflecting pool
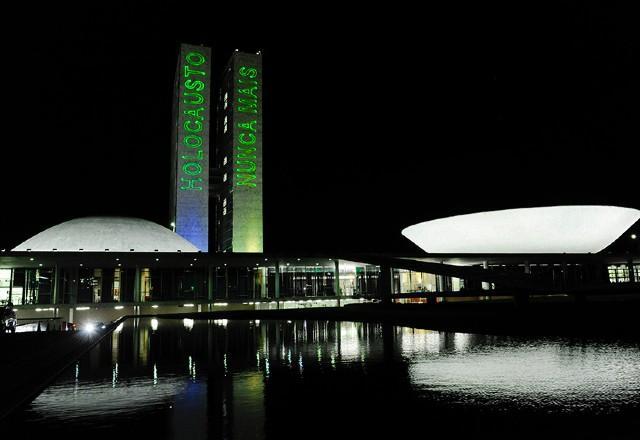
(186, 379)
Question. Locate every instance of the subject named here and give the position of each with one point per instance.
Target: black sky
(374, 118)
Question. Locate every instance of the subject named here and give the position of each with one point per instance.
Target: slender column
(210, 282)
(386, 284)
(136, 286)
(264, 274)
(277, 284)
(226, 282)
(632, 276)
(485, 285)
(440, 287)
(56, 281)
(11, 285)
(75, 279)
(336, 280)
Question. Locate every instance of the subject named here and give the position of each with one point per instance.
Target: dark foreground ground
(33, 360)
(30, 361)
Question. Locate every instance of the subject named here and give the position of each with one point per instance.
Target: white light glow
(119, 307)
(188, 323)
(555, 229)
(154, 324)
(83, 308)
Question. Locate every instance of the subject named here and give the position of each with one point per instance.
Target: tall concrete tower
(190, 146)
(239, 156)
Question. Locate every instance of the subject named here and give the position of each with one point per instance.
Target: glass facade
(268, 280)
(357, 279)
(407, 281)
(265, 280)
(618, 273)
(26, 286)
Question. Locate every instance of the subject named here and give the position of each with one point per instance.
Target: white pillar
(485, 285)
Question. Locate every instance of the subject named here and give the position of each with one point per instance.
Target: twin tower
(230, 179)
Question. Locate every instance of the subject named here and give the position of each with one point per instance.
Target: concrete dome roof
(553, 229)
(116, 234)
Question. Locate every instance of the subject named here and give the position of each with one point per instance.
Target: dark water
(311, 379)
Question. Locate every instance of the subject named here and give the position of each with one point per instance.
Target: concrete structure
(106, 234)
(189, 197)
(108, 267)
(239, 219)
(545, 230)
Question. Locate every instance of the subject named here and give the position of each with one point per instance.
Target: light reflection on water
(547, 374)
(246, 379)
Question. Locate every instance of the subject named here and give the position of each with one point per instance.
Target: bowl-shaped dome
(555, 229)
(116, 234)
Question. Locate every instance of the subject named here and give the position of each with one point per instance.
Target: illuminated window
(5, 285)
(226, 100)
(225, 124)
(618, 273)
(224, 178)
(636, 272)
(224, 161)
(224, 211)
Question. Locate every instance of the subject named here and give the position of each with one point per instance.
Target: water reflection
(272, 379)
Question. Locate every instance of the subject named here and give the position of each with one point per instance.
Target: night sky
(374, 119)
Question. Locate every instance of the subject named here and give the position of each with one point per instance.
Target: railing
(44, 324)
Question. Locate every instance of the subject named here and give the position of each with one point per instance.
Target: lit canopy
(555, 229)
(116, 234)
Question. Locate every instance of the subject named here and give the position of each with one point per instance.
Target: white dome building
(544, 230)
(113, 234)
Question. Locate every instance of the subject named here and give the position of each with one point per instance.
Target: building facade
(239, 150)
(189, 197)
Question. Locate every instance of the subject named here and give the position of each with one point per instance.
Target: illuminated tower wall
(239, 156)
(190, 146)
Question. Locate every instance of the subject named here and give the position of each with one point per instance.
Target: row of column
(74, 275)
